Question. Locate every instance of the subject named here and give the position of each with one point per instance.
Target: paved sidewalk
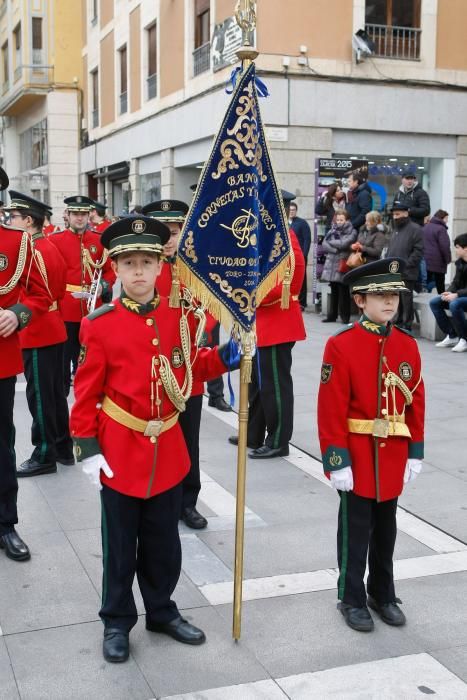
(294, 643)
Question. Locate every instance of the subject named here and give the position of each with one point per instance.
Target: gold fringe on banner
(174, 297)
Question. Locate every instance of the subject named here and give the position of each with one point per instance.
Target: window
(95, 97)
(6, 67)
(394, 27)
(17, 46)
(94, 11)
(33, 146)
(152, 61)
(123, 80)
(37, 41)
(202, 52)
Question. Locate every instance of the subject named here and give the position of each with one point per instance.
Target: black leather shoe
(233, 439)
(328, 320)
(14, 546)
(116, 645)
(193, 519)
(357, 618)
(390, 613)
(266, 452)
(67, 461)
(32, 468)
(220, 403)
(178, 629)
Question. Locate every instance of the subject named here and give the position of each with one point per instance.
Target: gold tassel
(285, 295)
(174, 297)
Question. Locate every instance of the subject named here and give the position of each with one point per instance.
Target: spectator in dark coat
(303, 233)
(359, 201)
(455, 299)
(372, 237)
(329, 202)
(416, 199)
(406, 242)
(437, 250)
(336, 245)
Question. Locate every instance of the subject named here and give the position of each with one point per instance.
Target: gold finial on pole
(245, 14)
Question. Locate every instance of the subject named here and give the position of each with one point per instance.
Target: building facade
(41, 97)
(155, 72)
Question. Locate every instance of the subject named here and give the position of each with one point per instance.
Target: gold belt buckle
(380, 428)
(153, 428)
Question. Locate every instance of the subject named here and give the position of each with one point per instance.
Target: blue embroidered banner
(235, 244)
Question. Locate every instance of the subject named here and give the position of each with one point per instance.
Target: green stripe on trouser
(277, 393)
(105, 550)
(40, 412)
(345, 546)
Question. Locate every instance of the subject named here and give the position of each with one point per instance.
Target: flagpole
(245, 13)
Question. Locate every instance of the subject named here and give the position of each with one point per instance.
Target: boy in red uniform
(42, 343)
(370, 420)
(137, 366)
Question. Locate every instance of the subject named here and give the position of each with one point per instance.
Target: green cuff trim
(86, 447)
(416, 450)
(336, 458)
(22, 313)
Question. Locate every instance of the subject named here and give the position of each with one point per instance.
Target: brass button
(383, 375)
(153, 439)
(384, 394)
(382, 444)
(384, 411)
(384, 359)
(154, 340)
(156, 361)
(149, 321)
(380, 340)
(158, 402)
(159, 382)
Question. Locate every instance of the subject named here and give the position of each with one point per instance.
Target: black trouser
(216, 386)
(70, 353)
(8, 481)
(190, 423)
(270, 397)
(340, 302)
(405, 313)
(438, 278)
(303, 292)
(139, 536)
(50, 434)
(365, 527)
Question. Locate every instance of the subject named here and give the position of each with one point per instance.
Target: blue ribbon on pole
(261, 88)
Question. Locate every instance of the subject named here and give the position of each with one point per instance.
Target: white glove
(342, 479)
(81, 295)
(412, 469)
(92, 468)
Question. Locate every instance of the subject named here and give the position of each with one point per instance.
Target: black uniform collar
(372, 327)
(136, 307)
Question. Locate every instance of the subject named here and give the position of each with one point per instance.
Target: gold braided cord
(178, 395)
(89, 264)
(14, 279)
(380, 287)
(41, 267)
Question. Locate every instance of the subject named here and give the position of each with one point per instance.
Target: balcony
(402, 43)
(151, 82)
(202, 59)
(30, 84)
(123, 102)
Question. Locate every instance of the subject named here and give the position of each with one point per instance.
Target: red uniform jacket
(50, 228)
(35, 299)
(100, 228)
(275, 325)
(119, 348)
(50, 328)
(70, 245)
(164, 285)
(355, 364)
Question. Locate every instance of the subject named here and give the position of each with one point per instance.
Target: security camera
(362, 45)
(286, 61)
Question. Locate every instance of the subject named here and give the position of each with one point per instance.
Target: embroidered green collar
(372, 327)
(136, 307)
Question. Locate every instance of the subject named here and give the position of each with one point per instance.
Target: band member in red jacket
(370, 422)
(97, 218)
(270, 395)
(42, 343)
(20, 276)
(85, 260)
(137, 365)
(172, 213)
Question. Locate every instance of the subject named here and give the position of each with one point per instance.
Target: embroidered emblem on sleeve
(326, 371)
